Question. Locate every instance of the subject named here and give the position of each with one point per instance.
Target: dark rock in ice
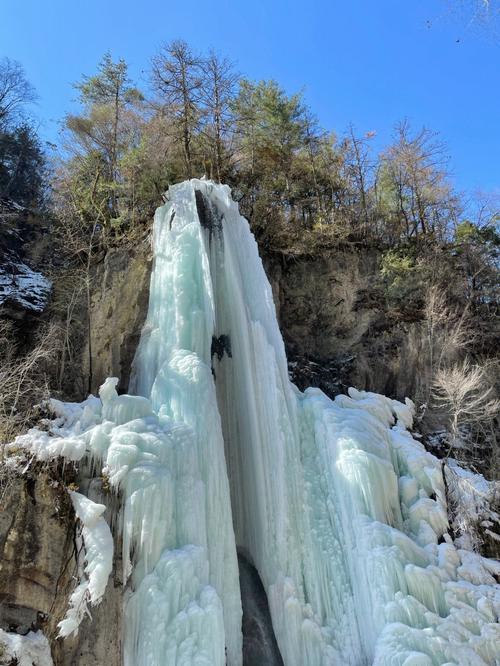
(259, 642)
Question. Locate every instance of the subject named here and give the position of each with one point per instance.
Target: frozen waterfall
(340, 510)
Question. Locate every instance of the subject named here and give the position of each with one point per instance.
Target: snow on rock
(33, 649)
(21, 287)
(98, 558)
(62, 436)
(340, 509)
(472, 499)
(24, 286)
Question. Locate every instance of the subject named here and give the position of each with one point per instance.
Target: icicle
(98, 557)
(341, 511)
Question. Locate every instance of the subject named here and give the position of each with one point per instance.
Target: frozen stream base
(340, 510)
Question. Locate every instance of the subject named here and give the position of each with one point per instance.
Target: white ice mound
(342, 512)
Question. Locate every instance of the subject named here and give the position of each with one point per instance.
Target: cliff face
(38, 545)
(38, 569)
(36, 540)
(337, 333)
(118, 310)
(320, 302)
(336, 326)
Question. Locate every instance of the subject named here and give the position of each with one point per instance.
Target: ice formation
(342, 512)
(178, 544)
(98, 562)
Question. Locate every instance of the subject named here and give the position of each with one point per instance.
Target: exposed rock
(337, 329)
(37, 522)
(99, 638)
(38, 572)
(320, 308)
(331, 376)
(119, 307)
(22, 288)
(259, 642)
(36, 547)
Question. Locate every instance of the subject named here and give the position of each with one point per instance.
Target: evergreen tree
(22, 167)
(108, 126)
(22, 161)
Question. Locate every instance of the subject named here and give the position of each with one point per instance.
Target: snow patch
(21, 284)
(472, 499)
(33, 649)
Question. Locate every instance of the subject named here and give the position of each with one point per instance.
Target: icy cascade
(338, 507)
(340, 510)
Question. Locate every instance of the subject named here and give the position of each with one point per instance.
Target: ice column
(339, 508)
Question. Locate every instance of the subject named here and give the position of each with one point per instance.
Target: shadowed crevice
(259, 642)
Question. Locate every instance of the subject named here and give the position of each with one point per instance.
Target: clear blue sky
(369, 62)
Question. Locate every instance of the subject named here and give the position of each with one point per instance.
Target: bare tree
(360, 167)
(473, 509)
(23, 377)
(177, 78)
(466, 393)
(217, 93)
(481, 16)
(476, 241)
(315, 141)
(416, 175)
(15, 90)
(447, 331)
(442, 339)
(78, 240)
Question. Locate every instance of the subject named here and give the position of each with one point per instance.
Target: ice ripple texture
(340, 509)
